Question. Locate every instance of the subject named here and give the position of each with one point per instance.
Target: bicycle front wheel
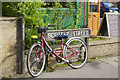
(36, 60)
(75, 45)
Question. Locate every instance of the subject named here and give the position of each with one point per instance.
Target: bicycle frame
(44, 42)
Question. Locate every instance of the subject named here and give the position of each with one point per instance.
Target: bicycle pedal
(58, 60)
(51, 55)
(70, 62)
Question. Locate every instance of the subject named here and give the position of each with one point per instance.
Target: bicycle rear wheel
(74, 45)
(35, 61)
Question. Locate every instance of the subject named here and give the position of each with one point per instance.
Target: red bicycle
(73, 52)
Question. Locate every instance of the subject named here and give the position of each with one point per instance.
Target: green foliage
(63, 15)
(96, 38)
(9, 9)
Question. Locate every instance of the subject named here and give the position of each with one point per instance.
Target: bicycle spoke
(33, 64)
(35, 60)
(77, 49)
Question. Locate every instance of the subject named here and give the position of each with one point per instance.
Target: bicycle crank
(58, 60)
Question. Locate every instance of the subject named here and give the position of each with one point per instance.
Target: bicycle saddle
(62, 36)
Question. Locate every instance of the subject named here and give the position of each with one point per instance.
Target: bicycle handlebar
(51, 25)
(44, 28)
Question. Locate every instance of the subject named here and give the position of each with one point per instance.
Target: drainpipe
(0, 43)
(87, 40)
(87, 11)
(22, 45)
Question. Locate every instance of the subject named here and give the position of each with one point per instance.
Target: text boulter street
(84, 32)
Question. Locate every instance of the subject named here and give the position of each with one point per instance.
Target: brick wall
(10, 42)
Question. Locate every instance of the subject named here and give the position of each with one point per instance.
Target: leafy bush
(63, 15)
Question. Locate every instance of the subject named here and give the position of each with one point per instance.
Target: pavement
(100, 68)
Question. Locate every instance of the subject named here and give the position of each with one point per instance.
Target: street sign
(52, 34)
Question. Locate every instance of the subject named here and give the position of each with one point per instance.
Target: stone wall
(10, 45)
(102, 48)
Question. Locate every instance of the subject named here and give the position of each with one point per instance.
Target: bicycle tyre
(37, 66)
(81, 57)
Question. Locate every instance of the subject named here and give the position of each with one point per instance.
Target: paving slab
(97, 69)
(111, 60)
